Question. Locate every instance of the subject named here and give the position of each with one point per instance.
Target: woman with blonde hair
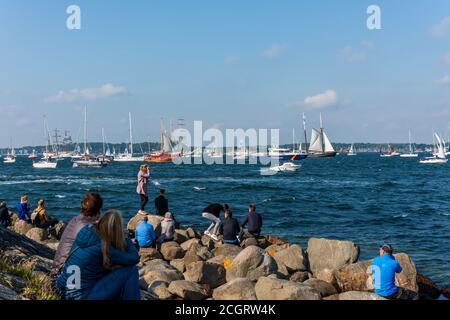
(141, 189)
(39, 217)
(101, 264)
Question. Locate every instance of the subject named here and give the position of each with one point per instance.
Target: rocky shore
(194, 267)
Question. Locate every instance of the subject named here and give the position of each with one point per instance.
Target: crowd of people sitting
(96, 260)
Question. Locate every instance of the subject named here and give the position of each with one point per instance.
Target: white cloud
(441, 28)
(88, 94)
(232, 59)
(274, 51)
(352, 55)
(444, 80)
(321, 100)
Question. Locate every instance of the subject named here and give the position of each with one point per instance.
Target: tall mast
(410, 145)
(131, 134)
(321, 133)
(304, 131)
(293, 139)
(103, 140)
(85, 130)
(161, 135)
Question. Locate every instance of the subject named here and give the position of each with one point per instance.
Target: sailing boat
(32, 155)
(320, 145)
(439, 158)
(411, 153)
(46, 162)
(391, 152)
(11, 156)
(165, 153)
(351, 151)
(86, 161)
(127, 156)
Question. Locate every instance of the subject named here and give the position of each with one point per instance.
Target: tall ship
(165, 153)
(320, 145)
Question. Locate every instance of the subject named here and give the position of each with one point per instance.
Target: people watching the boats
(230, 229)
(23, 210)
(142, 182)
(40, 218)
(383, 270)
(5, 218)
(90, 208)
(212, 213)
(161, 204)
(145, 234)
(253, 220)
(167, 228)
(101, 264)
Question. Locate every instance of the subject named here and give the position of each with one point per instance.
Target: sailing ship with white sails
(165, 153)
(320, 146)
(439, 157)
(11, 156)
(128, 155)
(411, 153)
(47, 162)
(351, 151)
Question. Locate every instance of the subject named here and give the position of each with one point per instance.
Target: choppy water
(366, 199)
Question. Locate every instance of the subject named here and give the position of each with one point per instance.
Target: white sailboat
(46, 162)
(411, 153)
(11, 156)
(439, 158)
(320, 145)
(351, 151)
(127, 156)
(86, 161)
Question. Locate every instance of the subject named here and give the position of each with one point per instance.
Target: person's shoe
(207, 233)
(214, 237)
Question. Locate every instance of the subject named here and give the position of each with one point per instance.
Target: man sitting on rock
(254, 221)
(5, 218)
(383, 270)
(230, 229)
(145, 234)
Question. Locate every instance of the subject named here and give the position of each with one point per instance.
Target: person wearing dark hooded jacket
(101, 264)
(5, 218)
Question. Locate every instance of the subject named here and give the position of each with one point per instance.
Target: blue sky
(232, 64)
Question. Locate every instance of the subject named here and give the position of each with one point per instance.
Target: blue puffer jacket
(86, 254)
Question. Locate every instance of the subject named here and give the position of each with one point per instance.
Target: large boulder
(331, 254)
(355, 295)
(229, 251)
(324, 288)
(58, 230)
(196, 253)
(293, 258)
(187, 244)
(166, 275)
(147, 254)
(180, 236)
(237, 289)
(300, 276)
(160, 290)
(155, 265)
(191, 233)
(406, 279)
(134, 221)
(208, 242)
(22, 227)
(274, 248)
(249, 242)
(252, 263)
(354, 277)
(276, 289)
(207, 273)
(427, 288)
(327, 275)
(171, 250)
(178, 264)
(445, 290)
(154, 220)
(37, 234)
(188, 290)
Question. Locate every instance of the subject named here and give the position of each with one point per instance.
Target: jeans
(236, 242)
(215, 222)
(122, 284)
(144, 200)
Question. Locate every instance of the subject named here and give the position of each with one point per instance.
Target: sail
(441, 152)
(316, 141)
(167, 145)
(328, 145)
(108, 152)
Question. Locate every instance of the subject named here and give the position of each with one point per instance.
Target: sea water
(365, 198)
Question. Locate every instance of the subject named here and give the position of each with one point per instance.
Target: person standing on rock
(254, 221)
(5, 218)
(90, 208)
(104, 262)
(212, 213)
(23, 210)
(161, 204)
(383, 270)
(141, 189)
(230, 229)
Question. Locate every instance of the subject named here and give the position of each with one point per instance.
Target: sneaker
(214, 237)
(207, 233)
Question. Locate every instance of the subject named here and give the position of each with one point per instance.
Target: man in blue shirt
(383, 271)
(144, 234)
